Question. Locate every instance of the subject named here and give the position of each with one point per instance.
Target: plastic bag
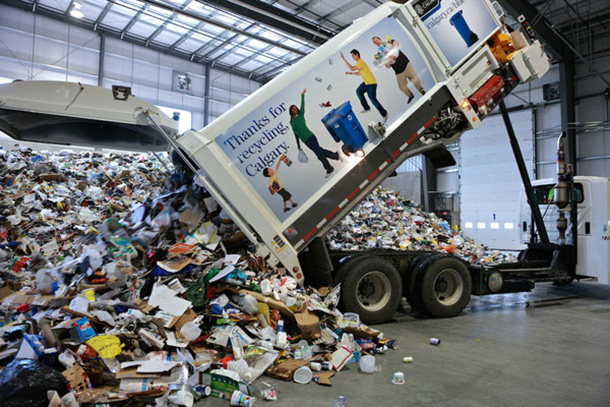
(25, 382)
(303, 157)
(248, 303)
(107, 346)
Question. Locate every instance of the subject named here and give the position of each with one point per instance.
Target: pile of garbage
(123, 282)
(386, 220)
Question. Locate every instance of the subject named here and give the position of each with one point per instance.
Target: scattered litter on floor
(398, 378)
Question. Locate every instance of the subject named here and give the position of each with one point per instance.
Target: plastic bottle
(281, 339)
(340, 401)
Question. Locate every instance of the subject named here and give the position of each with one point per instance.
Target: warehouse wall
(490, 182)
(33, 47)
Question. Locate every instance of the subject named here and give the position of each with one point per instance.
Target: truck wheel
(414, 295)
(370, 287)
(445, 284)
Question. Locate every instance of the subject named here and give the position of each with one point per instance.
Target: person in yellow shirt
(277, 186)
(368, 85)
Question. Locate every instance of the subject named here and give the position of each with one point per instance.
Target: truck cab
(592, 197)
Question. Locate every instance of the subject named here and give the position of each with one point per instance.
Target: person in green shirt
(302, 133)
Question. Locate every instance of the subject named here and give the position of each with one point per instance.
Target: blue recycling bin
(343, 126)
(462, 27)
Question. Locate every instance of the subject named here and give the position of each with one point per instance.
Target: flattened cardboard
(309, 324)
(191, 217)
(188, 316)
(76, 376)
(5, 292)
(361, 333)
(131, 372)
(150, 366)
(174, 265)
(52, 177)
(145, 307)
(285, 370)
(324, 378)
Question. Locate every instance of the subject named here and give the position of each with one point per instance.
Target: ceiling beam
(166, 22)
(131, 39)
(545, 30)
(103, 14)
(134, 19)
(186, 35)
(276, 18)
(225, 26)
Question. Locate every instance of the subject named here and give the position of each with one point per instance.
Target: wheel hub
(374, 291)
(448, 287)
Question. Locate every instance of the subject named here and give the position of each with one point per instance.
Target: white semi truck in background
(292, 159)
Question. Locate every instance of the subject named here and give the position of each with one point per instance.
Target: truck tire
(370, 287)
(409, 284)
(445, 285)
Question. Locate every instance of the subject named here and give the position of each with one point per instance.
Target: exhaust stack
(561, 196)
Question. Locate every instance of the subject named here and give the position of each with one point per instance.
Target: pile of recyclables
(385, 220)
(124, 283)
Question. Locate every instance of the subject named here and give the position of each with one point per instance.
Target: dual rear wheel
(371, 286)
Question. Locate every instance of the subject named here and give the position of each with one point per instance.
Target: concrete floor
(498, 352)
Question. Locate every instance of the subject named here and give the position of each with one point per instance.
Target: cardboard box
(309, 324)
(222, 384)
(286, 369)
(77, 377)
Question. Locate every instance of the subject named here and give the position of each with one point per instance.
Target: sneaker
(340, 156)
(287, 209)
(294, 205)
(385, 119)
(423, 92)
(329, 172)
(410, 99)
(365, 111)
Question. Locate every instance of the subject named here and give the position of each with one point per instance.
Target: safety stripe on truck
(364, 184)
(420, 131)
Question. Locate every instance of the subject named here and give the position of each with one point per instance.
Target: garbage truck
(294, 158)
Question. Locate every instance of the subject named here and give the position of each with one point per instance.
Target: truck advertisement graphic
(457, 26)
(289, 146)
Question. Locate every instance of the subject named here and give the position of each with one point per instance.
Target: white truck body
(446, 45)
(593, 220)
(449, 73)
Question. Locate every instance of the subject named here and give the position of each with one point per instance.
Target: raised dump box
(399, 79)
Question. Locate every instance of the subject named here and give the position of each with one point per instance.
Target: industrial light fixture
(75, 10)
